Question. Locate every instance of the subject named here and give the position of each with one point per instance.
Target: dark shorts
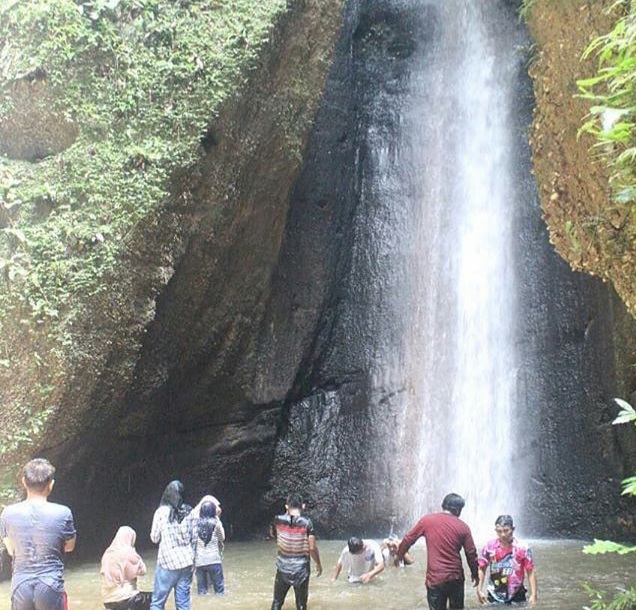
(447, 595)
(35, 595)
(518, 598)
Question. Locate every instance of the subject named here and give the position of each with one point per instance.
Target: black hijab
(173, 497)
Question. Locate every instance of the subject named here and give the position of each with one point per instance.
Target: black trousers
(140, 601)
(451, 593)
(281, 587)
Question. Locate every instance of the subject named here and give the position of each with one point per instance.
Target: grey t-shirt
(38, 531)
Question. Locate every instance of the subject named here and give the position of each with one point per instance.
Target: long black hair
(207, 521)
(173, 497)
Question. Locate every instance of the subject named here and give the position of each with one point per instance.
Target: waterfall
(459, 420)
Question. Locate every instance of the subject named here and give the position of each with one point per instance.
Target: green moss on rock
(117, 106)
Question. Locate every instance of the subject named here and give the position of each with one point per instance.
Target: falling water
(460, 350)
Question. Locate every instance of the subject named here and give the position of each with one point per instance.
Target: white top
(363, 562)
(210, 553)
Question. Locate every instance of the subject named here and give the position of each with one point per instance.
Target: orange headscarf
(120, 562)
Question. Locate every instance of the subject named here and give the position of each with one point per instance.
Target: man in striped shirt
(296, 543)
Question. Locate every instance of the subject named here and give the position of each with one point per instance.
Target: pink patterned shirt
(508, 566)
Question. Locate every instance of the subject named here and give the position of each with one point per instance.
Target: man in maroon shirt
(445, 535)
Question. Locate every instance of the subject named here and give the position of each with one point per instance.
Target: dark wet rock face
(350, 223)
(262, 367)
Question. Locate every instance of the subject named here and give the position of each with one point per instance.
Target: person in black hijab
(173, 497)
(172, 530)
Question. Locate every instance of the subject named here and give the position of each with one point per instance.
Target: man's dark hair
(504, 521)
(355, 545)
(38, 473)
(453, 503)
(294, 500)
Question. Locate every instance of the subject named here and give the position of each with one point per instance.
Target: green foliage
(612, 119)
(525, 7)
(142, 79)
(626, 599)
(607, 546)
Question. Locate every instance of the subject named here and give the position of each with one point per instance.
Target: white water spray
(461, 362)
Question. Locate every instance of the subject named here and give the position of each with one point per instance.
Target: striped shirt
(292, 540)
(174, 538)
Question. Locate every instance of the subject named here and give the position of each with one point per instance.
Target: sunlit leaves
(613, 90)
(600, 547)
(627, 413)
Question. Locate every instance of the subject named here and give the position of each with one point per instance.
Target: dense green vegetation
(625, 600)
(613, 117)
(142, 79)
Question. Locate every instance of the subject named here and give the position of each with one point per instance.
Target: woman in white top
(209, 537)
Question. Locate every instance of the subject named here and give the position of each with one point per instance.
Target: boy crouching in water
(296, 543)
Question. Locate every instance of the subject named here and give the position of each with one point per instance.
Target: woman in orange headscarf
(121, 566)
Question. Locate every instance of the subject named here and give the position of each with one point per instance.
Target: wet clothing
(508, 566)
(445, 536)
(210, 553)
(208, 558)
(139, 601)
(359, 564)
(38, 531)
(210, 576)
(35, 595)
(447, 595)
(167, 580)
(282, 586)
(292, 562)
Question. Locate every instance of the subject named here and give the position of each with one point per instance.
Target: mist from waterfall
(459, 361)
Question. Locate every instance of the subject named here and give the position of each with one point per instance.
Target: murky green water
(249, 574)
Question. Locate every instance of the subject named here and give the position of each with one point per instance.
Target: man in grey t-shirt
(36, 534)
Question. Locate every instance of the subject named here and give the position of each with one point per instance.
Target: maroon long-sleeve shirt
(445, 536)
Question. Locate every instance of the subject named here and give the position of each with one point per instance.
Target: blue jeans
(165, 581)
(35, 595)
(212, 574)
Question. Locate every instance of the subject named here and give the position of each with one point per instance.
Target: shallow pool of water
(249, 574)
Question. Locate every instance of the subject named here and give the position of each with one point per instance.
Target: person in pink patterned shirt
(509, 561)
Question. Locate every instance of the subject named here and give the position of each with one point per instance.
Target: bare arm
(336, 572)
(220, 532)
(532, 581)
(481, 596)
(408, 559)
(315, 554)
(379, 567)
(141, 567)
(69, 545)
(9, 546)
